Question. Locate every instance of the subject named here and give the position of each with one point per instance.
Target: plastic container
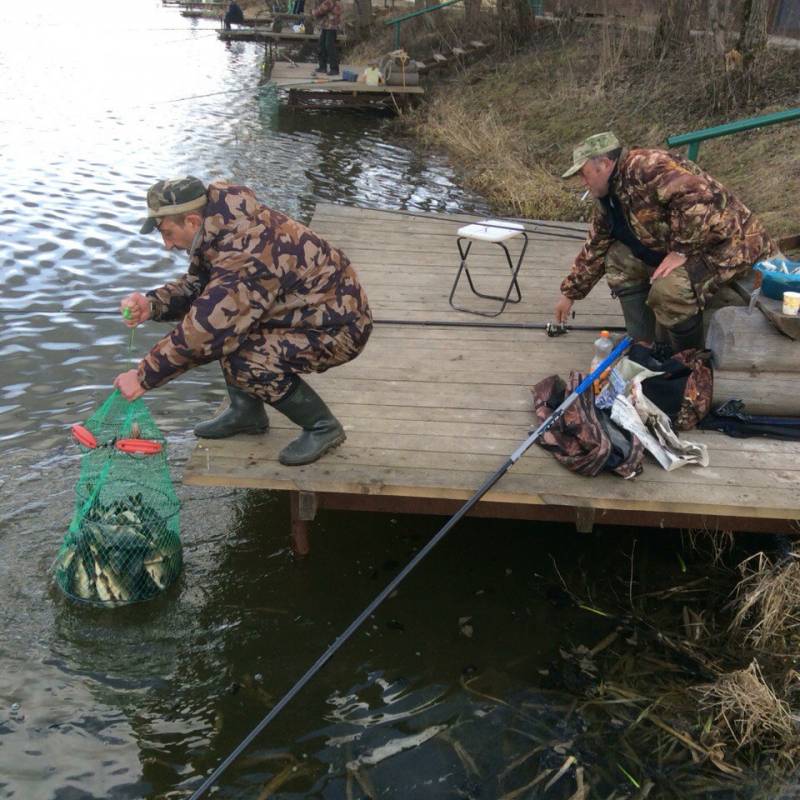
(791, 303)
(603, 345)
(774, 281)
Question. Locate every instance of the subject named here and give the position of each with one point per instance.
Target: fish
(121, 553)
(108, 583)
(82, 584)
(158, 568)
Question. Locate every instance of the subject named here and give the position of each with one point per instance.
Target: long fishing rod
(551, 328)
(514, 224)
(393, 584)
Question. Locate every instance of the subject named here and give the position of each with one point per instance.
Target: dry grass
(745, 710)
(511, 127)
(767, 600)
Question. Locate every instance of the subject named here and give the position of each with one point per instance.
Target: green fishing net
(123, 543)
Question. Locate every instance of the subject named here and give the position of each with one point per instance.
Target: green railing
(397, 21)
(694, 138)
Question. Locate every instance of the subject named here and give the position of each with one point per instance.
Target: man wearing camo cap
(265, 296)
(665, 234)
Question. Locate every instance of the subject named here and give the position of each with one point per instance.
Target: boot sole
(246, 431)
(334, 444)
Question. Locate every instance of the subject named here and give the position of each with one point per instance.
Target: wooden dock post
(303, 507)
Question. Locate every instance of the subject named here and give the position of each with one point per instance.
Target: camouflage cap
(173, 196)
(597, 145)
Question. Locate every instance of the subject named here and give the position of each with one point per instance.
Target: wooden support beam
(303, 507)
(584, 519)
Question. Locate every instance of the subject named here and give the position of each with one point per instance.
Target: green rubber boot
(245, 414)
(687, 335)
(640, 322)
(321, 430)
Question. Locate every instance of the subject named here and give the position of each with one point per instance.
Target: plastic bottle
(603, 345)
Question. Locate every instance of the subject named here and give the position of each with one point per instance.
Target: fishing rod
(516, 224)
(393, 584)
(513, 222)
(550, 328)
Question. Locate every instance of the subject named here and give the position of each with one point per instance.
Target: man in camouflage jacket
(329, 14)
(265, 296)
(665, 234)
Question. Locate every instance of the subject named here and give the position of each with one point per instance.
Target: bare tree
(516, 18)
(472, 13)
(673, 26)
(719, 22)
(753, 32)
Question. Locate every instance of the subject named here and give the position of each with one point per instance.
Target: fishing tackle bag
(123, 544)
(684, 389)
(584, 440)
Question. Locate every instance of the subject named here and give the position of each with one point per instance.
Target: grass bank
(509, 124)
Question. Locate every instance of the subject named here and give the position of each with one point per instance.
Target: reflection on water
(90, 120)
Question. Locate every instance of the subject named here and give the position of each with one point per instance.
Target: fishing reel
(556, 329)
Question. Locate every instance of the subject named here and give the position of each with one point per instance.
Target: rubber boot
(640, 321)
(321, 430)
(245, 414)
(687, 335)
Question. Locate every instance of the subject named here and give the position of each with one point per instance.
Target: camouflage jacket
(329, 12)
(253, 268)
(673, 206)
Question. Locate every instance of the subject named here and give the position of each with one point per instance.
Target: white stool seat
(491, 230)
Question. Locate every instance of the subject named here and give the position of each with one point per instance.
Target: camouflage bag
(685, 390)
(584, 440)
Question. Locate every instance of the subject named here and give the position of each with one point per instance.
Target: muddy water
(143, 701)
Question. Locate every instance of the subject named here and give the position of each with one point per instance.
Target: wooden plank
(298, 77)
(514, 488)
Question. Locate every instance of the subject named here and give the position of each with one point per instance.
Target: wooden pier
(264, 34)
(430, 411)
(305, 90)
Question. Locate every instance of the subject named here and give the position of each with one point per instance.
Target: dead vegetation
(510, 125)
(677, 681)
(767, 601)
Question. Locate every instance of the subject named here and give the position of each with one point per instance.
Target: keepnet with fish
(123, 543)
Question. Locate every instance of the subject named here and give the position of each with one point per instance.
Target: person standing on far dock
(233, 16)
(329, 14)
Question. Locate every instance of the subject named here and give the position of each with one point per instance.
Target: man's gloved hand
(562, 309)
(138, 309)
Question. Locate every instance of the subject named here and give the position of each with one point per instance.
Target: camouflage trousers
(267, 360)
(675, 298)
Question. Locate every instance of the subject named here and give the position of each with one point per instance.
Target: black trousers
(328, 53)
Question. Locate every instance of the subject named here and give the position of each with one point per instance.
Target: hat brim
(574, 169)
(148, 226)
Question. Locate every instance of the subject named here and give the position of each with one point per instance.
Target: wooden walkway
(308, 91)
(267, 34)
(430, 412)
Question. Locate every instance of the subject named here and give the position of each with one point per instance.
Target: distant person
(264, 296)
(234, 15)
(329, 14)
(665, 234)
(298, 7)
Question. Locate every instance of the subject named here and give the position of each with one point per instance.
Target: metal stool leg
(513, 286)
